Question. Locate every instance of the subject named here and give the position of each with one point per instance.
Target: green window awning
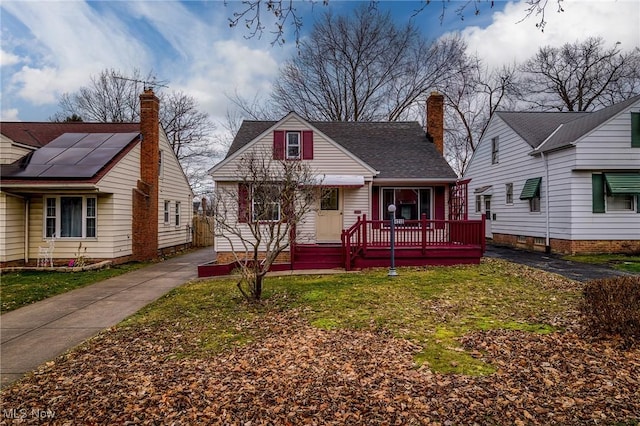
(622, 183)
(531, 188)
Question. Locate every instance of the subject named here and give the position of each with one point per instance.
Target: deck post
(423, 234)
(483, 239)
(364, 234)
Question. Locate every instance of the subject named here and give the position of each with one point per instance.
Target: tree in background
(580, 76)
(364, 67)
(112, 98)
(250, 14)
(471, 99)
(257, 215)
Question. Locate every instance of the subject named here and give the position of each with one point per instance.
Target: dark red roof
(38, 134)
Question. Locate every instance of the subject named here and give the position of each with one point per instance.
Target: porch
(416, 243)
(367, 244)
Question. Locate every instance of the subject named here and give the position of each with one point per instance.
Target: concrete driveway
(553, 263)
(37, 333)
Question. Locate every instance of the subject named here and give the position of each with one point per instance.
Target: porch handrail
(421, 233)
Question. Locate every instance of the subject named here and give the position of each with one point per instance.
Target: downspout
(547, 244)
(26, 230)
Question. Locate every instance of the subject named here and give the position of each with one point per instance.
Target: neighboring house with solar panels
(566, 182)
(116, 188)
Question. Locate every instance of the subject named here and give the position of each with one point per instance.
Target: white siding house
(560, 181)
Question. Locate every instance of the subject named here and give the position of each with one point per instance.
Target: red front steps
(318, 256)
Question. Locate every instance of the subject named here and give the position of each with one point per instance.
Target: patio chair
(45, 254)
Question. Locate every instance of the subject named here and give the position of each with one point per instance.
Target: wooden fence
(202, 227)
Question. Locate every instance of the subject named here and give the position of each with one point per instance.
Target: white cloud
(71, 42)
(8, 58)
(9, 115)
(509, 38)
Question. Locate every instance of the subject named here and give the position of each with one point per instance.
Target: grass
(628, 263)
(18, 289)
(432, 307)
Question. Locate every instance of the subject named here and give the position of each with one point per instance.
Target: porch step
(318, 257)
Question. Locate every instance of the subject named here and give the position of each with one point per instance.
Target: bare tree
(250, 14)
(364, 68)
(110, 97)
(580, 76)
(471, 98)
(260, 211)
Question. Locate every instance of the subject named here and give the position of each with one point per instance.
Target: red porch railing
(423, 233)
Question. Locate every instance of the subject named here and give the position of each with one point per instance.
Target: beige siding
(328, 158)
(10, 152)
(115, 211)
(174, 187)
(12, 211)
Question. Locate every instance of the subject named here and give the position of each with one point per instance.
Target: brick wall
(228, 257)
(435, 120)
(569, 246)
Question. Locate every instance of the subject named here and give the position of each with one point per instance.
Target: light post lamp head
(391, 208)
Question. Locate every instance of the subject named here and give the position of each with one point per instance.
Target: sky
(48, 48)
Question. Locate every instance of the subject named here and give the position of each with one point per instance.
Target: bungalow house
(566, 182)
(362, 168)
(116, 189)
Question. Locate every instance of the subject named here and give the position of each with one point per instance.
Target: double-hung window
(509, 193)
(495, 149)
(531, 192)
(71, 217)
(266, 203)
(177, 213)
(293, 145)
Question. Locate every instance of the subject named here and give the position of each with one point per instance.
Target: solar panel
(74, 155)
(65, 140)
(45, 155)
(99, 156)
(64, 171)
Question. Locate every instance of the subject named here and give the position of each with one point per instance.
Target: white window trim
(58, 216)
(299, 145)
(495, 150)
(384, 213)
(607, 209)
(167, 212)
(253, 210)
(506, 194)
(178, 214)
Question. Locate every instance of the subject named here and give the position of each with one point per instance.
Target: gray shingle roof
(573, 130)
(538, 127)
(398, 150)
(535, 127)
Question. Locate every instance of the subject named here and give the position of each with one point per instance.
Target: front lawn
(18, 289)
(623, 262)
(496, 343)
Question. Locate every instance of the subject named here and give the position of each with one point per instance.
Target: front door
(487, 212)
(329, 217)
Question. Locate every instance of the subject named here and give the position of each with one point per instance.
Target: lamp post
(392, 215)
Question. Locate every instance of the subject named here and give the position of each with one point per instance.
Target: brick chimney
(435, 120)
(145, 196)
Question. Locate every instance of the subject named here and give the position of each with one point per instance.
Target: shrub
(612, 306)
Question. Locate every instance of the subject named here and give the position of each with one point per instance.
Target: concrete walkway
(40, 332)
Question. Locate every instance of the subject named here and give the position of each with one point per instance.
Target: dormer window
(293, 145)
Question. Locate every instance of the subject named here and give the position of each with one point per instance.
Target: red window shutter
(244, 203)
(307, 145)
(278, 144)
